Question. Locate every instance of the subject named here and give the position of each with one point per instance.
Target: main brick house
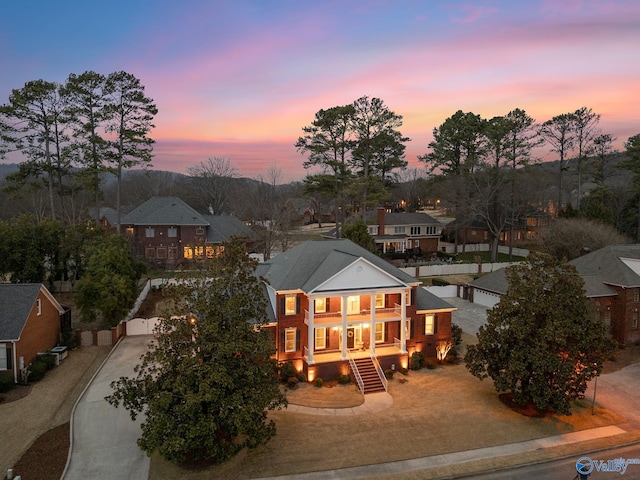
(333, 302)
(612, 282)
(166, 231)
(30, 323)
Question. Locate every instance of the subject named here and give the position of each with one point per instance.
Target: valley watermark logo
(586, 465)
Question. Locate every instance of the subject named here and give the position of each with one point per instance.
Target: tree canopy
(542, 343)
(108, 287)
(207, 384)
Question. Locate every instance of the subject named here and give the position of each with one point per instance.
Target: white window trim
(427, 324)
(287, 310)
(321, 334)
(287, 333)
(38, 306)
(379, 332)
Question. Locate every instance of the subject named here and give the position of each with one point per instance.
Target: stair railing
(356, 372)
(383, 377)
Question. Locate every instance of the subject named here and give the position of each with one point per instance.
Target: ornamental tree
(207, 383)
(542, 343)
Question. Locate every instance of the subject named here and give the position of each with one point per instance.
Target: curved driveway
(103, 437)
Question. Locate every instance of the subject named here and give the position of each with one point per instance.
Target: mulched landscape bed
(47, 456)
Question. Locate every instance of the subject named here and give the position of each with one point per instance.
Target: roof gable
(311, 263)
(359, 274)
(16, 302)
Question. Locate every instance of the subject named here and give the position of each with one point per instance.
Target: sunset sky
(239, 79)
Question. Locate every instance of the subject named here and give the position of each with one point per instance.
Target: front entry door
(351, 337)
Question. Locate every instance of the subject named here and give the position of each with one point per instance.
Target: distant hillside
(6, 169)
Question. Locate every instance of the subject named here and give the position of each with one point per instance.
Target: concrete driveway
(469, 316)
(103, 437)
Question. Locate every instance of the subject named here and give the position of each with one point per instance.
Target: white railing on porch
(356, 373)
(383, 377)
(397, 343)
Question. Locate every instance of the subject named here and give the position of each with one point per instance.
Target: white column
(311, 337)
(372, 327)
(344, 327)
(403, 322)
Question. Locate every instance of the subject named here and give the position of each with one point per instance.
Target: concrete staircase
(370, 376)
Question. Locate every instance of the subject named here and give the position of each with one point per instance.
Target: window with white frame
(636, 295)
(172, 232)
(634, 320)
(415, 230)
(149, 232)
(321, 338)
(430, 230)
(5, 357)
(379, 332)
(353, 305)
(290, 305)
(373, 229)
(38, 306)
(290, 339)
(429, 324)
(379, 300)
(321, 305)
(398, 229)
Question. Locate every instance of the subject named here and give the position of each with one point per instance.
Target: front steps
(370, 377)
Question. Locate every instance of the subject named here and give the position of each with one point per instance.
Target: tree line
(71, 134)
(481, 168)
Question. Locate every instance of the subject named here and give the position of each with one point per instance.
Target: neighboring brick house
(30, 323)
(416, 232)
(166, 230)
(612, 282)
(525, 230)
(333, 302)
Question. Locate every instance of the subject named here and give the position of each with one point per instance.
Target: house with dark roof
(612, 282)
(166, 231)
(338, 309)
(415, 233)
(30, 323)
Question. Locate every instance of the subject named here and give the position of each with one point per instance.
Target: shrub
(344, 379)
(292, 382)
(48, 359)
(37, 370)
(318, 382)
(6, 381)
(69, 339)
(404, 371)
(301, 377)
(430, 364)
(388, 373)
(416, 362)
(287, 370)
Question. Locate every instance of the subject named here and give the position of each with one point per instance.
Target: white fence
(142, 326)
(454, 269)
(482, 247)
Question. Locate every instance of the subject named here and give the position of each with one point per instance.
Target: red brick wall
(40, 333)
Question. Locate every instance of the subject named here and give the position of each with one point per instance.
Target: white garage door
(485, 299)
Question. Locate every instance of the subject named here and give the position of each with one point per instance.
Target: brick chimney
(381, 211)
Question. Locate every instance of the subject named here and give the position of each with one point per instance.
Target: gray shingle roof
(163, 211)
(598, 269)
(309, 264)
(223, 227)
(16, 301)
(428, 301)
(607, 264)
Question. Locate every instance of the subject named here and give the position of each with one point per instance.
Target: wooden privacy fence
(102, 338)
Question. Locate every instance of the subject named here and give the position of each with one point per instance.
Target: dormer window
(200, 231)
